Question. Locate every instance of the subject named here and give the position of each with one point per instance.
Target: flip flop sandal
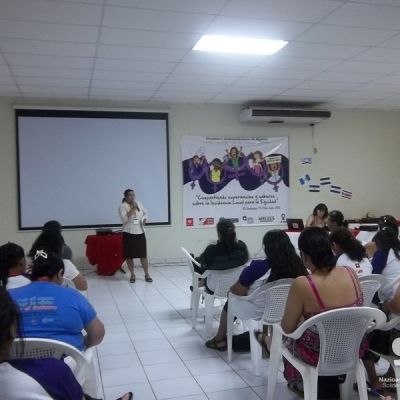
(133, 279)
(260, 336)
(215, 345)
(295, 389)
(148, 278)
(130, 396)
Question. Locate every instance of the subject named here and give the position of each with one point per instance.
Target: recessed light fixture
(238, 45)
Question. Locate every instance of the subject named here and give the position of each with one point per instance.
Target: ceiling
(344, 54)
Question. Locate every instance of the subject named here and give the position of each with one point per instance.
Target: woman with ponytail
(12, 266)
(227, 253)
(327, 287)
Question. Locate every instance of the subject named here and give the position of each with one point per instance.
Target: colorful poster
(245, 180)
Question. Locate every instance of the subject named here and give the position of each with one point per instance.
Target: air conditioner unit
(283, 115)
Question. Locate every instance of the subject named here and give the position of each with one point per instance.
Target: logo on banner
(249, 220)
(266, 219)
(189, 221)
(206, 221)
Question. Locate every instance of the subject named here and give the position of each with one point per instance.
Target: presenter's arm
(95, 333)
(310, 221)
(145, 214)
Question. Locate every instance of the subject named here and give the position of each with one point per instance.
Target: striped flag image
(336, 189)
(325, 181)
(314, 188)
(346, 194)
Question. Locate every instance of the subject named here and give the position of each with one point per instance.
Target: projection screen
(73, 166)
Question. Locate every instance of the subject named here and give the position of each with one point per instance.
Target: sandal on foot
(133, 279)
(216, 345)
(260, 337)
(130, 396)
(148, 278)
(292, 386)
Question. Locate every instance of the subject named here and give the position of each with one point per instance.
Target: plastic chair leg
(345, 388)
(361, 382)
(229, 332)
(273, 365)
(255, 348)
(209, 304)
(195, 299)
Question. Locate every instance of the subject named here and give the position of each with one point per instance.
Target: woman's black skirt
(134, 246)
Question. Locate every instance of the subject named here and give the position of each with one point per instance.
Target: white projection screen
(73, 166)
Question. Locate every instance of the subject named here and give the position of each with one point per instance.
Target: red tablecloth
(105, 251)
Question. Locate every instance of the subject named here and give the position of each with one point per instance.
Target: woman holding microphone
(133, 216)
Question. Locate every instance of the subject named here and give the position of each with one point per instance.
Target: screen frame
(74, 113)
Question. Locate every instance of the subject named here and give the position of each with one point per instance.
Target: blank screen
(74, 166)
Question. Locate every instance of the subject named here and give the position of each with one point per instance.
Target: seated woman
(385, 221)
(328, 287)
(51, 311)
(32, 379)
(381, 342)
(51, 240)
(318, 217)
(281, 262)
(12, 266)
(350, 252)
(336, 220)
(227, 253)
(386, 259)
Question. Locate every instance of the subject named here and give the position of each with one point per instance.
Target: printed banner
(245, 180)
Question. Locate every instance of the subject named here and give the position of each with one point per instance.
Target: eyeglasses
(40, 253)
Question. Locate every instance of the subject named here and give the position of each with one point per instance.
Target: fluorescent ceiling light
(238, 45)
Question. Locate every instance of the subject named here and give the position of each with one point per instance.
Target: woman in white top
(350, 252)
(12, 266)
(133, 216)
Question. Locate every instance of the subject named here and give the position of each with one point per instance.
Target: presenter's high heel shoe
(148, 278)
(133, 279)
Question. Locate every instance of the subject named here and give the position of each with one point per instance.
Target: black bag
(241, 343)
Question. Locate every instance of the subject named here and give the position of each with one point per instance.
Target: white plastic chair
(370, 284)
(68, 283)
(274, 296)
(387, 291)
(82, 365)
(340, 333)
(197, 291)
(393, 360)
(250, 310)
(221, 283)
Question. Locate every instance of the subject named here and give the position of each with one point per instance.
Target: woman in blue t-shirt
(51, 311)
(32, 379)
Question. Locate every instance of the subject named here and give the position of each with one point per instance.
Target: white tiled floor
(151, 349)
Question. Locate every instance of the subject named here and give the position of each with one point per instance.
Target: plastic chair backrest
(221, 281)
(44, 348)
(370, 284)
(276, 297)
(340, 333)
(386, 291)
(68, 283)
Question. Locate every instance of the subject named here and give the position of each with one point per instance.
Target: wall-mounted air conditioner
(283, 115)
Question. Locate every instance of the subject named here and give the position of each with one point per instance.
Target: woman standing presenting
(133, 216)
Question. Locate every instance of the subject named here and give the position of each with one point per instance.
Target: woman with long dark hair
(350, 252)
(336, 220)
(12, 266)
(134, 216)
(318, 217)
(52, 241)
(327, 287)
(281, 262)
(227, 253)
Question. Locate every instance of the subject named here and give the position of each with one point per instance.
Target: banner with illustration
(245, 180)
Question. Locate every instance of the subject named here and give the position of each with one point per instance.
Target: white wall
(358, 149)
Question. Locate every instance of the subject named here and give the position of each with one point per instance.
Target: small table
(105, 251)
